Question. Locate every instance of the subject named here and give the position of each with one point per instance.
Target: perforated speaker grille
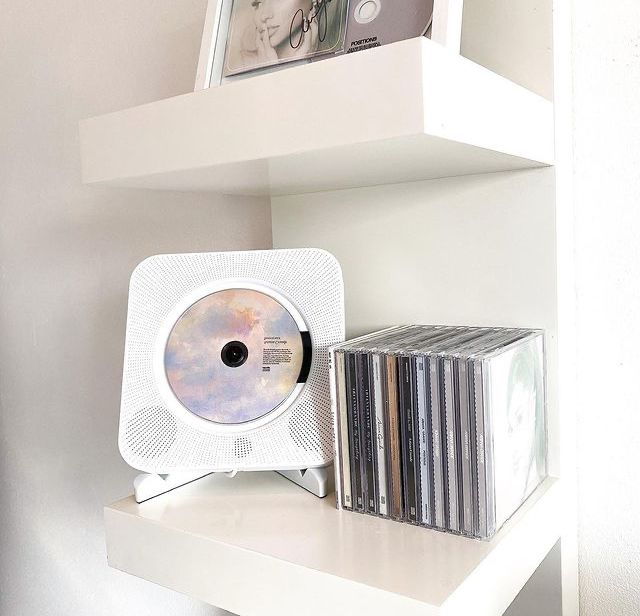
(153, 439)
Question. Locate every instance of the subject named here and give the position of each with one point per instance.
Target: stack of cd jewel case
(440, 426)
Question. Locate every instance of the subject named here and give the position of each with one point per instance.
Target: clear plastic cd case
(440, 426)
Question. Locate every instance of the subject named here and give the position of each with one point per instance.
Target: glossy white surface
(403, 112)
(258, 545)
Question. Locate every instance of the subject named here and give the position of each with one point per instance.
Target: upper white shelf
(408, 111)
(258, 545)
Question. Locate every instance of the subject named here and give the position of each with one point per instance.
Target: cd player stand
(150, 485)
(315, 480)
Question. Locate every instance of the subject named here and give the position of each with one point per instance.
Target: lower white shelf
(259, 545)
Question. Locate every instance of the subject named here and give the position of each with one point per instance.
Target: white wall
(66, 252)
(607, 189)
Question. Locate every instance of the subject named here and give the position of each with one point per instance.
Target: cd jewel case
(440, 426)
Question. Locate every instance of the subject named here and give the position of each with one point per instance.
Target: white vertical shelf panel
(403, 112)
(446, 27)
(567, 309)
(258, 545)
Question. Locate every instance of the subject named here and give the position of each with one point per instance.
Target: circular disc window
(234, 356)
(367, 10)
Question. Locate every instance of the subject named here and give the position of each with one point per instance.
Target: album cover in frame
(244, 36)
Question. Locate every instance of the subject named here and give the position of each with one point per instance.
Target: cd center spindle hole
(234, 354)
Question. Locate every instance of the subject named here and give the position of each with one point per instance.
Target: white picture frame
(446, 24)
(214, 36)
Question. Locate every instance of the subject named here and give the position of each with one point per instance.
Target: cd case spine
(442, 427)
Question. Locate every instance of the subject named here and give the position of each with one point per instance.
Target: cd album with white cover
(514, 389)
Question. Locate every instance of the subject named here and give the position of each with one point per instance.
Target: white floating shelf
(403, 112)
(258, 545)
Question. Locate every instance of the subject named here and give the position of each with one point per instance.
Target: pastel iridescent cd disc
(234, 356)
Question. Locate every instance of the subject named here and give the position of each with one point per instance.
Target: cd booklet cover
(265, 33)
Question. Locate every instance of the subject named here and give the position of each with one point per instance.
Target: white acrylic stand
(150, 485)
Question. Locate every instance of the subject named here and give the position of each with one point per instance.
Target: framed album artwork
(265, 33)
(242, 37)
